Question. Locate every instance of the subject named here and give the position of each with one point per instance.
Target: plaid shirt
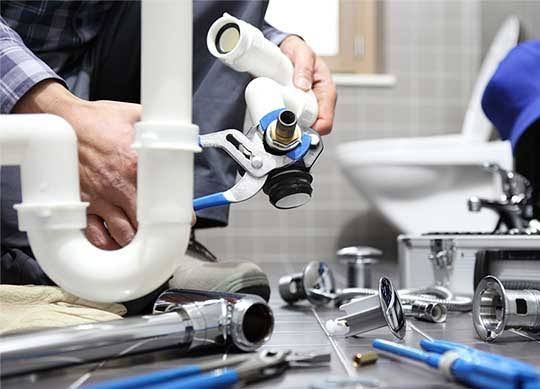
(33, 29)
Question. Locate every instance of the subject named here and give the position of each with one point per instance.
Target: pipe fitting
(496, 309)
(284, 134)
(51, 212)
(243, 47)
(425, 311)
(315, 284)
(186, 319)
(243, 320)
(369, 313)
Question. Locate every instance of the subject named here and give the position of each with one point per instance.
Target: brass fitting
(363, 359)
(284, 134)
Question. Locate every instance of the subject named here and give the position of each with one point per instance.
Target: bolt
(315, 140)
(256, 162)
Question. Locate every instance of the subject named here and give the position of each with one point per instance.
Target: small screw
(257, 162)
(364, 359)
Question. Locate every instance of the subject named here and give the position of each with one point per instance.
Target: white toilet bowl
(423, 184)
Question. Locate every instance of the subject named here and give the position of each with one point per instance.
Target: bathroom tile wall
(494, 12)
(433, 48)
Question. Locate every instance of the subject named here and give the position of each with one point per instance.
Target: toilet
(423, 184)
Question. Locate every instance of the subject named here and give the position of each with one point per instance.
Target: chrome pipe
(496, 309)
(185, 319)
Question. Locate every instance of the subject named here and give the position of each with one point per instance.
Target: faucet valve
(515, 204)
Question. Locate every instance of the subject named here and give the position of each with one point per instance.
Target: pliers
(221, 374)
(249, 152)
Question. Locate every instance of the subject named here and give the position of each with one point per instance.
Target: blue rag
(511, 99)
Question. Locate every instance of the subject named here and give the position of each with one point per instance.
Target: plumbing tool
(269, 163)
(474, 368)
(515, 208)
(166, 375)
(221, 374)
(316, 284)
(369, 313)
(496, 309)
(359, 261)
(184, 319)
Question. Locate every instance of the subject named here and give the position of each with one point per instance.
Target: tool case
(449, 258)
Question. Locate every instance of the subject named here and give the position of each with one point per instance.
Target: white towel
(33, 307)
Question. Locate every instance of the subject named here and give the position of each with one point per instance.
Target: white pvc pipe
(45, 147)
(244, 48)
(167, 28)
(263, 95)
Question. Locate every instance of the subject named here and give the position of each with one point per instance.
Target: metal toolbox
(449, 258)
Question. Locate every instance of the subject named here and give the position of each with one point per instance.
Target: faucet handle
(516, 188)
(358, 253)
(474, 204)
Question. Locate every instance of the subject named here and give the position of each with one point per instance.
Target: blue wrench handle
(151, 379)
(211, 200)
(223, 379)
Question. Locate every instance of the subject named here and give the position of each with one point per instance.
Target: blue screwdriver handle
(219, 379)
(144, 380)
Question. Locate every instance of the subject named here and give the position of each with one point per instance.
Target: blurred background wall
(434, 49)
(492, 14)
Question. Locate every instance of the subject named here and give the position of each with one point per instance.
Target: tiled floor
(298, 328)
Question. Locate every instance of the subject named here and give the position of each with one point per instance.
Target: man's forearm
(21, 70)
(47, 96)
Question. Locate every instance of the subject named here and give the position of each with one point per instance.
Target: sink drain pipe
(184, 319)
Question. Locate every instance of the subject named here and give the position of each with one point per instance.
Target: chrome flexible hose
(455, 304)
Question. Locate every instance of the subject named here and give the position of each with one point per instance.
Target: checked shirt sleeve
(20, 69)
(273, 34)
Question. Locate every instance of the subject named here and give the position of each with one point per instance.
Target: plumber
(81, 60)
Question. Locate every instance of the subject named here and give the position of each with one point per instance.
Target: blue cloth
(512, 97)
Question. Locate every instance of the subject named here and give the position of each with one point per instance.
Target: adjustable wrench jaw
(256, 160)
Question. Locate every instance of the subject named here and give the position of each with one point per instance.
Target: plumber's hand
(108, 169)
(107, 165)
(310, 72)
